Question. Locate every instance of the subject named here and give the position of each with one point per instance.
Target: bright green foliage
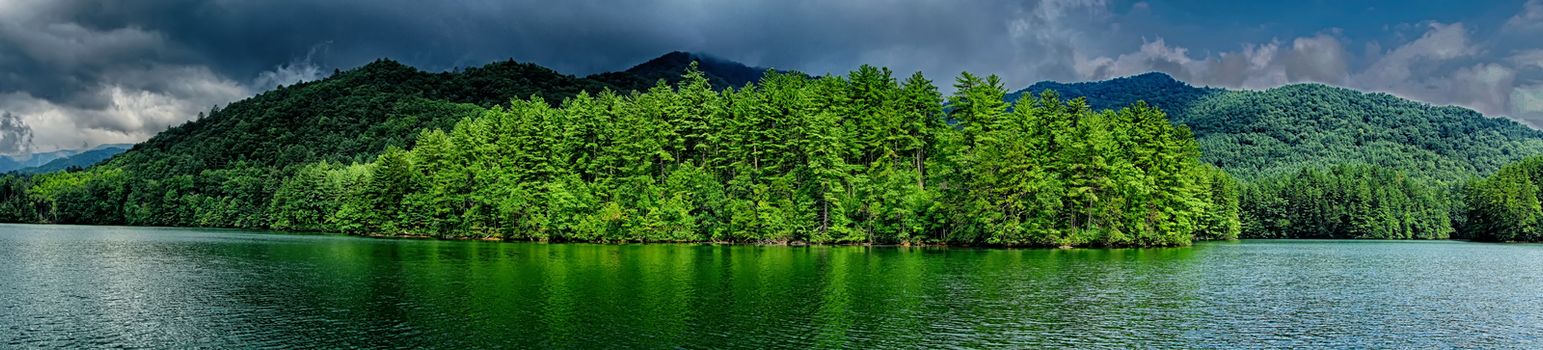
(857, 159)
(1220, 219)
(1505, 206)
(1346, 201)
(1058, 173)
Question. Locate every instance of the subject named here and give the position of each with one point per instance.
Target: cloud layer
(75, 72)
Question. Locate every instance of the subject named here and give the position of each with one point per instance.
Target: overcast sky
(83, 73)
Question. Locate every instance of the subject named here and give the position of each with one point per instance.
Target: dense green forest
(1345, 201)
(1505, 206)
(856, 159)
(1325, 162)
(863, 158)
(732, 153)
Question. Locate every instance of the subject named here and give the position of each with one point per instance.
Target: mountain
(31, 160)
(79, 160)
(720, 73)
(1251, 133)
(221, 169)
(349, 116)
(1157, 89)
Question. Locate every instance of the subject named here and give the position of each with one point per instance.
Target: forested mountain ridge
(1156, 89)
(351, 114)
(220, 168)
(355, 114)
(670, 67)
(1252, 133)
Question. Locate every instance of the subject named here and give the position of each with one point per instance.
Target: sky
(83, 73)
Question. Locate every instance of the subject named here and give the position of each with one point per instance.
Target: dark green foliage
(1271, 137)
(1505, 206)
(1252, 133)
(1156, 89)
(1345, 201)
(1220, 220)
(1249, 133)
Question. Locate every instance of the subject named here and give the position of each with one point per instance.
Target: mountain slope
(352, 115)
(221, 169)
(1253, 133)
(1157, 89)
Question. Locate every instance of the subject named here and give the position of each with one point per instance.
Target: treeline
(1339, 201)
(1505, 206)
(857, 159)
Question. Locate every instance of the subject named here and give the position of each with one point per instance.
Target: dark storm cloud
(119, 71)
(245, 38)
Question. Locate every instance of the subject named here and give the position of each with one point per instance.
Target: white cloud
(1527, 59)
(136, 104)
(1530, 18)
(1397, 68)
(286, 74)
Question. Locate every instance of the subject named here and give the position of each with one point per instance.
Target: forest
(1504, 207)
(864, 158)
(516, 151)
(1315, 161)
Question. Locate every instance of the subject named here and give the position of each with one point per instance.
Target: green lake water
(81, 286)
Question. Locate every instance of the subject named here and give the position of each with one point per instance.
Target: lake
(81, 286)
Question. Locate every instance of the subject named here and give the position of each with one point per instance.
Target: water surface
(74, 286)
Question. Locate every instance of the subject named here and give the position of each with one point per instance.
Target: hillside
(1157, 89)
(349, 116)
(1253, 133)
(221, 168)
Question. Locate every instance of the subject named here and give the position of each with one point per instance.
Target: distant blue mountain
(65, 159)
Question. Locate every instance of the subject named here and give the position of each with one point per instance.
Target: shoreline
(730, 243)
(763, 244)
